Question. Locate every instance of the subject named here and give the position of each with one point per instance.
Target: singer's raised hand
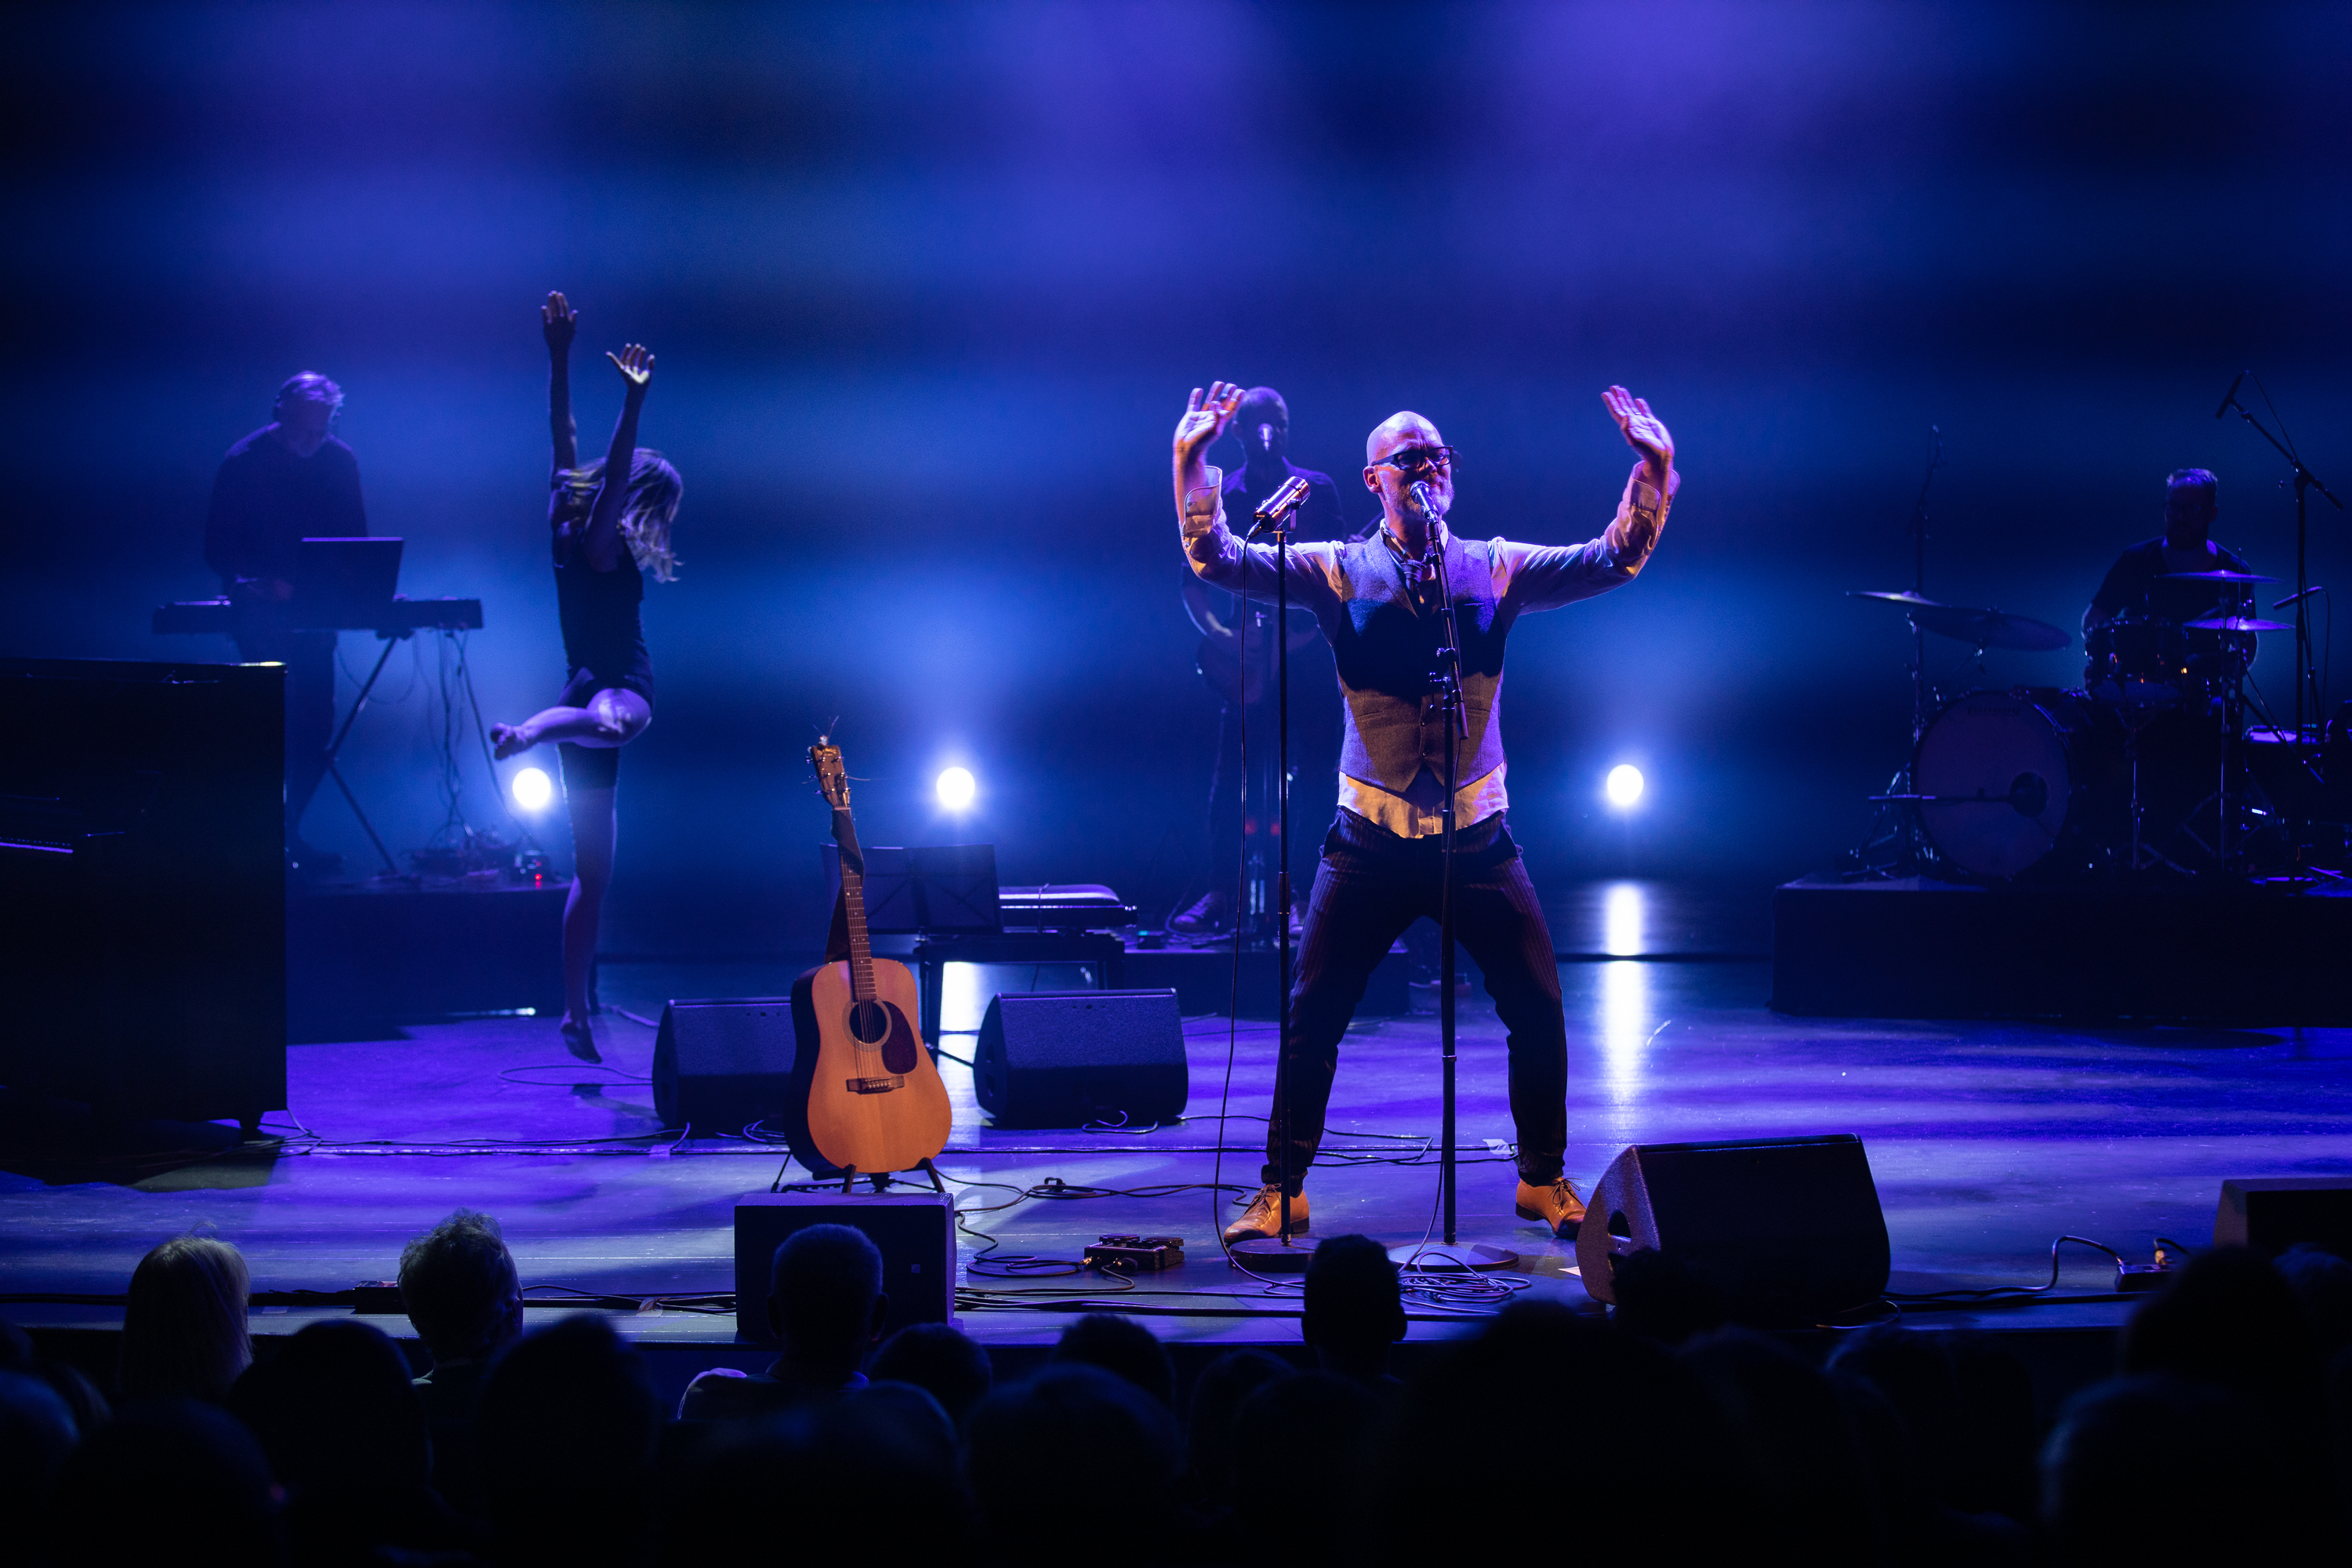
(1205, 418)
(1644, 431)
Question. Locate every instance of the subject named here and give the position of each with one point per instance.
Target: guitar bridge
(876, 1085)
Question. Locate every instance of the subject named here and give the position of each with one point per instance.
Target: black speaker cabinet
(1061, 1059)
(1787, 1228)
(2271, 1213)
(720, 1066)
(915, 1233)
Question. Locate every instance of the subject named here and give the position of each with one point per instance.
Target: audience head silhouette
(945, 1363)
(1354, 1308)
(458, 1286)
(1122, 1347)
(566, 1435)
(184, 1327)
(1073, 1432)
(169, 1480)
(824, 1299)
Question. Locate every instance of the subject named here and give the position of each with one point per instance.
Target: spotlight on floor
(533, 790)
(955, 788)
(1624, 786)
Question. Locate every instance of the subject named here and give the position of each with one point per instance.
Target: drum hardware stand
(1911, 855)
(2307, 677)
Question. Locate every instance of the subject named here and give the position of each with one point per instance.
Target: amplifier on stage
(915, 1233)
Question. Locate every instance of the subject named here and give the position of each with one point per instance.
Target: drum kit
(2147, 767)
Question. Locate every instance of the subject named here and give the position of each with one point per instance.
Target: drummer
(2137, 586)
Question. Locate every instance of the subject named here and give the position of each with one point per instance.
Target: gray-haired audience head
(458, 1286)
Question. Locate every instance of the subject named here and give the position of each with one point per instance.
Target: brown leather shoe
(1263, 1218)
(1555, 1204)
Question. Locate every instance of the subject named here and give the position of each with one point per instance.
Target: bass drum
(2014, 779)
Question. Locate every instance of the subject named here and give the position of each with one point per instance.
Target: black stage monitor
(941, 891)
(343, 583)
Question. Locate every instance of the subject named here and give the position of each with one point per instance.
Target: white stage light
(1624, 786)
(533, 790)
(955, 788)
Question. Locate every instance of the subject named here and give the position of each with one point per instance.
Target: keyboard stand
(391, 640)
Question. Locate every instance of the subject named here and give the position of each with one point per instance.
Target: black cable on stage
(1994, 1292)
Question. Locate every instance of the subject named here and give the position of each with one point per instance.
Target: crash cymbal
(1979, 628)
(2221, 576)
(2240, 623)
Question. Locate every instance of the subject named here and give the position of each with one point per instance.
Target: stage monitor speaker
(915, 1233)
(1789, 1229)
(722, 1065)
(2271, 1213)
(1061, 1059)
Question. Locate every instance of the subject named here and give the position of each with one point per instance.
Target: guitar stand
(881, 1179)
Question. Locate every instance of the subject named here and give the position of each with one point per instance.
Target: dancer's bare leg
(592, 833)
(613, 717)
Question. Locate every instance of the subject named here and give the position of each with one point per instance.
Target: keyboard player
(288, 480)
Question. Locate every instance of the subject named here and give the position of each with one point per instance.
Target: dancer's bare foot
(579, 1040)
(506, 740)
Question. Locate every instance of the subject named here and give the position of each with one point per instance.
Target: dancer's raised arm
(603, 538)
(557, 323)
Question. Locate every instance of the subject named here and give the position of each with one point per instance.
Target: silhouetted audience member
(2322, 1283)
(36, 1435)
(946, 1362)
(2159, 1469)
(2230, 1319)
(1354, 1309)
(185, 1332)
(1217, 1394)
(1799, 1455)
(1317, 1433)
(566, 1428)
(1074, 1439)
(1999, 1434)
(345, 1435)
(1919, 1460)
(1122, 1347)
(825, 1307)
(83, 1402)
(460, 1288)
(877, 1465)
(1517, 1387)
(1661, 1298)
(167, 1481)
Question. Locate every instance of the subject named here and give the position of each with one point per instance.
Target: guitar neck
(853, 900)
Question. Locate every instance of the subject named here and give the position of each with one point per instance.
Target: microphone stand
(1448, 677)
(2305, 676)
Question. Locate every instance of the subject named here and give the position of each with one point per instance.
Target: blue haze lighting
(533, 790)
(1624, 787)
(955, 788)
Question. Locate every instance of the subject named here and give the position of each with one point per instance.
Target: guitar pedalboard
(1136, 1254)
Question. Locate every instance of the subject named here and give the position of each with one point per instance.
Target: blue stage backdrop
(929, 284)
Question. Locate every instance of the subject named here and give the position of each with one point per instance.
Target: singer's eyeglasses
(1418, 460)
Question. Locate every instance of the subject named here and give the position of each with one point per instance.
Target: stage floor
(1988, 1140)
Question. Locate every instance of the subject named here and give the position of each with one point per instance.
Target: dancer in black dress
(606, 537)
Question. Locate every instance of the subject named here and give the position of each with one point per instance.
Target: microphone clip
(1274, 513)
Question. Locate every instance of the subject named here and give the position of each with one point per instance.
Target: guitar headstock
(831, 778)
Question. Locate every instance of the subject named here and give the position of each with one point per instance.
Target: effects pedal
(1136, 1254)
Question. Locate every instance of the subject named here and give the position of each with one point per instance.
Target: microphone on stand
(2230, 398)
(1419, 490)
(1277, 507)
(1266, 437)
(2307, 593)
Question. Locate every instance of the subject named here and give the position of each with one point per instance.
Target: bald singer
(1377, 600)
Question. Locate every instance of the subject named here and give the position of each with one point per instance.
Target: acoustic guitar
(871, 1094)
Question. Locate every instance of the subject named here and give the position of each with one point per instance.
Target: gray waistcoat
(1385, 643)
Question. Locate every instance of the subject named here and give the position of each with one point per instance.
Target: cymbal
(1981, 628)
(2240, 623)
(2218, 576)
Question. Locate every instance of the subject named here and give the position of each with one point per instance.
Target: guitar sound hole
(868, 1022)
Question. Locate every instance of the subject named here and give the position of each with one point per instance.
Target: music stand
(940, 890)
